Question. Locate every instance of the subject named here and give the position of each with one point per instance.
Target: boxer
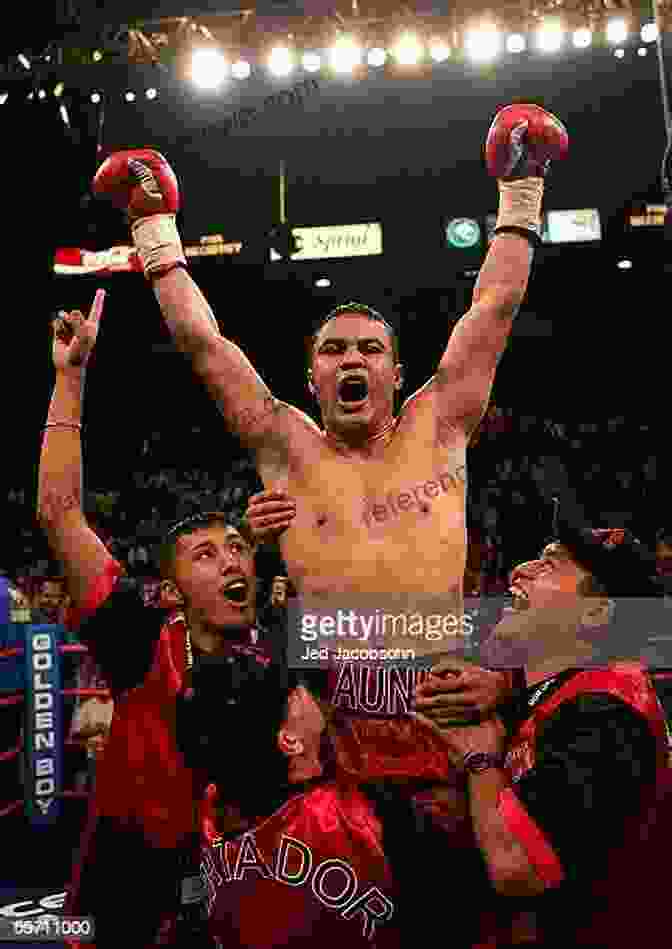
(380, 523)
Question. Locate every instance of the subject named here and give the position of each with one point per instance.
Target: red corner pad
(539, 852)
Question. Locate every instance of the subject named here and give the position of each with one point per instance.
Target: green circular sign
(463, 232)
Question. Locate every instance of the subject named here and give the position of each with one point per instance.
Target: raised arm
(59, 504)
(520, 145)
(144, 185)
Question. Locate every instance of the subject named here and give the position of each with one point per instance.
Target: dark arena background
(394, 145)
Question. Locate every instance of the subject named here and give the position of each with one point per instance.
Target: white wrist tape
(520, 203)
(158, 244)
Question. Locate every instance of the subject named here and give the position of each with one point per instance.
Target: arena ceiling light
(649, 33)
(281, 61)
(408, 50)
(311, 62)
(617, 31)
(345, 55)
(619, 53)
(323, 282)
(439, 51)
(3, 97)
(516, 43)
(624, 265)
(65, 116)
(209, 68)
(550, 37)
(483, 44)
(59, 89)
(582, 38)
(642, 51)
(376, 56)
(241, 69)
(96, 98)
(151, 93)
(130, 96)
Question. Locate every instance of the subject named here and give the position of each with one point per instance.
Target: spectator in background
(50, 600)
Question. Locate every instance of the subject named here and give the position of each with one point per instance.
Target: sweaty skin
(385, 531)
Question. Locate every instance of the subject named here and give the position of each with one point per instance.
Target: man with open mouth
(569, 787)
(140, 848)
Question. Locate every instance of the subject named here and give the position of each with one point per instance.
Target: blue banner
(44, 725)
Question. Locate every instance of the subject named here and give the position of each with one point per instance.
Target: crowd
(506, 512)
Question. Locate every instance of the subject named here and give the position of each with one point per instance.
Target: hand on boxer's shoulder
(140, 182)
(269, 514)
(457, 690)
(522, 142)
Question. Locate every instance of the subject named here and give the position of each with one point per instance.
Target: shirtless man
(380, 500)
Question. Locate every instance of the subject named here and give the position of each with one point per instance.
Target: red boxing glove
(142, 183)
(522, 142)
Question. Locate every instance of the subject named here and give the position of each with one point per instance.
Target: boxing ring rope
(18, 697)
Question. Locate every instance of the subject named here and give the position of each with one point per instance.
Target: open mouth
(353, 391)
(236, 591)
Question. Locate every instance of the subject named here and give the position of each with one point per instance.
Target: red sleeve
(97, 594)
(539, 852)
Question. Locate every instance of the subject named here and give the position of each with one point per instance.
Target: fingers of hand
(264, 496)
(262, 512)
(97, 307)
(445, 703)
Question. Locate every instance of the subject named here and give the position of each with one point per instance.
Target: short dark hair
(168, 545)
(357, 309)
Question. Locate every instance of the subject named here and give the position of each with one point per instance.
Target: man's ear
(311, 385)
(400, 376)
(289, 743)
(169, 595)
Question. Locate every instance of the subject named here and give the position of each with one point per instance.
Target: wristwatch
(475, 762)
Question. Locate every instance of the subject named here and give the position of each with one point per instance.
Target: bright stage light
(550, 37)
(649, 33)
(483, 44)
(95, 98)
(345, 55)
(281, 61)
(619, 53)
(65, 116)
(376, 57)
(58, 89)
(323, 282)
(3, 97)
(407, 50)
(624, 265)
(151, 94)
(439, 51)
(241, 69)
(208, 68)
(582, 38)
(311, 62)
(617, 31)
(130, 97)
(42, 94)
(23, 59)
(642, 51)
(516, 43)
